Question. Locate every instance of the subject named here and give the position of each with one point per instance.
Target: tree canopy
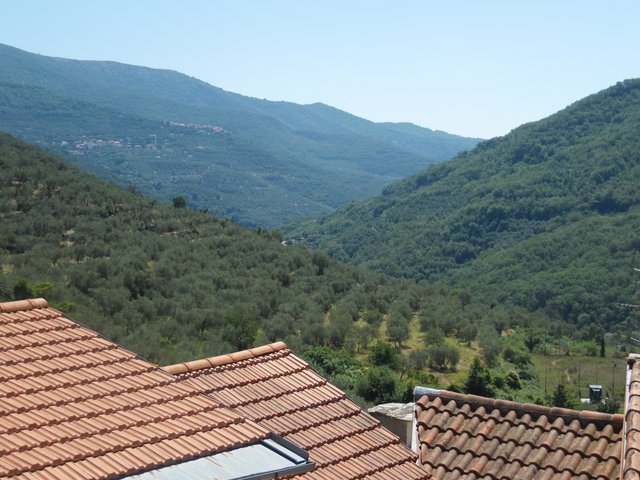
(173, 284)
(546, 217)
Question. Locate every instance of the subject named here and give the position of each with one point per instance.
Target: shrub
(513, 380)
(442, 357)
(384, 354)
(479, 380)
(379, 385)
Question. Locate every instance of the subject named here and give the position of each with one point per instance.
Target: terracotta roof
(631, 458)
(471, 437)
(282, 393)
(76, 406)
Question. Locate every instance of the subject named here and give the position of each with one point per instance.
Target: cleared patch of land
(577, 372)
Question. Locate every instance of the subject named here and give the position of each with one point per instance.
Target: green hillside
(547, 217)
(173, 284)
(258, 162)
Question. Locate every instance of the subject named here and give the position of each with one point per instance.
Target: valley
(545, 217)
(256, 162)
(319, 241)
(173, 284)
(519, 251)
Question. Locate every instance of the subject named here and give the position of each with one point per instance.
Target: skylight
(270, 458)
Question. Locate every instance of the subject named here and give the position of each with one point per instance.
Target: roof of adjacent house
(471, 437)
(279, 391)
(631, 456)
(74, 405)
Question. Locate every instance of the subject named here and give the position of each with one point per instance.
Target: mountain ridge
(279, 158)
(544, 192)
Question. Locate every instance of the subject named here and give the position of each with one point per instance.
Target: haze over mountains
(546, 217)
(257, 162)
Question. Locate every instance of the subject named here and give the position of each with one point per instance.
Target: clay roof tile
(78, 406)
(23, 305)
(499, 439)
(280, 391)
(242, 355)
(226, 359)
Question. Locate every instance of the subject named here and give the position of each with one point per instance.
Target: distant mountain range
(547, 217)
(255, 161)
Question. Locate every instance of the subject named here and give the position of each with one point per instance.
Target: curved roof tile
(74, 405)
(469, 437)
(278, 390)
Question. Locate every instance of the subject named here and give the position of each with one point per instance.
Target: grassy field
(417, 340)
(577, 372)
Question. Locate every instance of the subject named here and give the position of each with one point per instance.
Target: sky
(474, 68)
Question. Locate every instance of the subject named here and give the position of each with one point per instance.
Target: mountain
(546, 217)
(255, 161)
(173, 284)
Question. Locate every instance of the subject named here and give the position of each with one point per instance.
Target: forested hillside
(173, 284)
(257, 162)
(546, 217)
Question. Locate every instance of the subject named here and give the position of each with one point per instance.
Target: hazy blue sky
(477, 68)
